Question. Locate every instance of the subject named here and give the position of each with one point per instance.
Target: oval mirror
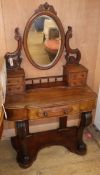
(44, 38)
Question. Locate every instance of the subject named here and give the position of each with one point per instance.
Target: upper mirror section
(44, 38)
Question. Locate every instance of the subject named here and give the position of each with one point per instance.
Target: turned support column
(86, 119)
(22, 132)
(62, 123)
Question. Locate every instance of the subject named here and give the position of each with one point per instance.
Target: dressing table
(64, 96)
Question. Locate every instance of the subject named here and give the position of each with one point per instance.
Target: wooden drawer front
(1, 116)
(87, 105)
(15, 81)
(34, 113)
(14, 114)
(79, 75)
(15, 85)
(78, 82)
(15, 89)
(77, 79)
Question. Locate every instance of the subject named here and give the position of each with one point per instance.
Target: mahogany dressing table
(63, 96)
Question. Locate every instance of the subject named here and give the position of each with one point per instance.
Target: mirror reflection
(44, 40)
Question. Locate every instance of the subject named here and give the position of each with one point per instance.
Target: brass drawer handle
(45, 113)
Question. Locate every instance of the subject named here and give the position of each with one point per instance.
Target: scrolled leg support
(86, 119)
(20, 143)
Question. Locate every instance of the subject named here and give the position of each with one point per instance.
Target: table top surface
(48, 97)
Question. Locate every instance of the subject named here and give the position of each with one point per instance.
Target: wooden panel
(50, 102)
(1, 116)
(15, 82)
(75, 75)
(1, 121)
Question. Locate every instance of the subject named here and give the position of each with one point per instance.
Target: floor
(55, 160)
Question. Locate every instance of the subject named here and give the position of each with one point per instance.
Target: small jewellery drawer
(78, 82)
(80, 75)
(75, 75)
(15, 81)
(15, 89)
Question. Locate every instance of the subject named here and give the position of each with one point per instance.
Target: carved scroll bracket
(13, 59)
(72, 56)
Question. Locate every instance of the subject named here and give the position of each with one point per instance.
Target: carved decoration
(13, 59)
(45, 7)
(72, 56)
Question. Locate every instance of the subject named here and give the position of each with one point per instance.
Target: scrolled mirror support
(72, 56)
(14, 59)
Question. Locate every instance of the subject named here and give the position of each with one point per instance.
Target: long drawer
(56, 111)
(33, 112)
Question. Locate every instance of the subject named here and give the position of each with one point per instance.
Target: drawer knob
(45, 114)
(83, 75)
(65, 111)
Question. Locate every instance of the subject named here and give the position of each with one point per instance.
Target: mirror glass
(43, 40)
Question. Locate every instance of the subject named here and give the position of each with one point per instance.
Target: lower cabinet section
(27, 144)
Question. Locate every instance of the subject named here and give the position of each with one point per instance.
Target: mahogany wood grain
(1, 129)
(60, 102)
(54, 101)
(15, 81)
(75, 75)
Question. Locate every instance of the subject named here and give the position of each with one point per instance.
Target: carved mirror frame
(49, 11)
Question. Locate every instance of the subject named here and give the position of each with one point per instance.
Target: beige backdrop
(82, 15)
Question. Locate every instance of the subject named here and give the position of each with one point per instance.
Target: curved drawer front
(87, 105)
(33, 113)
(16, 114)
(58, 111)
